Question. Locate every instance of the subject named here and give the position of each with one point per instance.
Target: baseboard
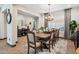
(11, 45)
(3, 38)
(16, 41)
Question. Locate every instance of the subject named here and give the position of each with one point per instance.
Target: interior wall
(5, 26)
(30, 19)
(26, 20)
(40, 16)
(41, 21)
(2, 25)
(3, 29)
(75, 14)
(58, 21)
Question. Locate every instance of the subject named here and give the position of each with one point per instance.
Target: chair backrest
(52, 36)
(34, 31)
(31, 37)
(40, 31)
(57, 33)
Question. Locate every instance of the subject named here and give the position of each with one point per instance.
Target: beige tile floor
(21, 47)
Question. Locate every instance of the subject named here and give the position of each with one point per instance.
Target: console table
(22, 32)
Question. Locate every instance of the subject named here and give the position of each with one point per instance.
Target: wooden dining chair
(57, 33)
(40, 30)
(34, 31)
(50, 41)
(32, 41)
(56, 36)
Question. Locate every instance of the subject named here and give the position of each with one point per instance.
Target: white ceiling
(43, 8)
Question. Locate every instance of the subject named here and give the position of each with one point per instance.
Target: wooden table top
(42, 35)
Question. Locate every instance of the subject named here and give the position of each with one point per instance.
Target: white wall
(75, 14)
(27, 11)
(58, 21)
(5, 26)
(40, 16)
(26, 21)
(30, 19)
(2, 21)
(41, 21)
(11, 28)
(1, 25)
(20, 18)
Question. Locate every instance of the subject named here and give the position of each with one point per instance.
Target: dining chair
(50, 41)
(36, 38)
(40, 30)
(56, 36)
(32, 41)
(34, 30)
(57, 33)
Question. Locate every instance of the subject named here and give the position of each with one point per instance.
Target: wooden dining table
(43, 37)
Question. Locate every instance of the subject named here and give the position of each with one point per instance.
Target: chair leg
(52, 44)
(49, 48)
(28, 49)
(35, 50)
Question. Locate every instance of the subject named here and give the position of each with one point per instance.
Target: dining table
(43, 37)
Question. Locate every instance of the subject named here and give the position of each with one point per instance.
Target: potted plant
(73, 25)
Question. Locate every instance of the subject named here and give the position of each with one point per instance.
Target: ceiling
(26, 14)
(43, 8)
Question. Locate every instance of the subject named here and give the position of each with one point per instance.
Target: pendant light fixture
(49, 17)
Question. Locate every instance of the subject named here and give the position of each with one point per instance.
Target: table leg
(41, 46)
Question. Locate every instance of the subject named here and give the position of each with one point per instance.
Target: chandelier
(49, 17)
